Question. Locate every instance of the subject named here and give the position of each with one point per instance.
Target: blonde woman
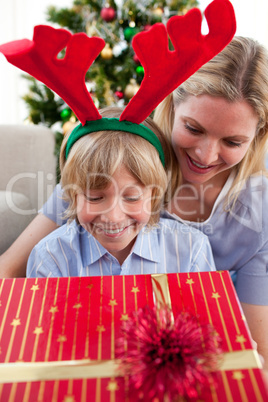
(217, 122)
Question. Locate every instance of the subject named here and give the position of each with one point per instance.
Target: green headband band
(113, 124)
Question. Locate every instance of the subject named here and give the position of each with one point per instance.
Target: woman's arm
(257, 319)
(13, 261)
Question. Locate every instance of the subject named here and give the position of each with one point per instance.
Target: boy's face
(116, 214)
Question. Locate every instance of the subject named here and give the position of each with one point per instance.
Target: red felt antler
(64, 76)
(165, 70)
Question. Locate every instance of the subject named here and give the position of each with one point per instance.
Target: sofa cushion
(16, 213)
(28, 162)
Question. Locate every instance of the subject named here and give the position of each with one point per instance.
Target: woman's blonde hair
(94, 158)
(239, 72)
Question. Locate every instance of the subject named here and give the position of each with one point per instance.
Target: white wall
(251, 17)
(17, 19)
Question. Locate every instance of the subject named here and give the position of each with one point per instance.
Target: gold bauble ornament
(131, 89)
(183, 11)
(107, 52)
(69, 125)
(158, 11)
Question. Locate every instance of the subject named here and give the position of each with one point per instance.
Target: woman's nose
(208, 153)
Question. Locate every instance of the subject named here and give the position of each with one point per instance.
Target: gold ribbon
(241, 360)
(161, 290)
(57, 370)
(79, 369)
(86, 368)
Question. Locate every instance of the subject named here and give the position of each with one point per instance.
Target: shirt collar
(147, 244)
(91, 249)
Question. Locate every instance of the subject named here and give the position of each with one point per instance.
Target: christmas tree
(116, 74)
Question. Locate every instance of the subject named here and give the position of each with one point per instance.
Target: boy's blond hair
(95, 157)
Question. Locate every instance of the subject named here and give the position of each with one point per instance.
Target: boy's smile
(116, 214)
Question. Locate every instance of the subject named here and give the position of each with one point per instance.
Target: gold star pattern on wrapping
(35, 287)
(62, 338)
(124, 317)
(112, 302)
(54, 309)
(112, 386)
(100, 328)
(240, 339)
(135, 289)
(38, 330)
(215, 295)
(238, 375)
(190, 281)
(16, 322)
(90, 286)
(69, 398)
(77, 305)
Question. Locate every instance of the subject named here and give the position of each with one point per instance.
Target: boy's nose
(113, 213)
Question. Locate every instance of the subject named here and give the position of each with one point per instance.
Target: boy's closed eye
(133, 193)
(93, 198)
(128, 197)
(133, 198)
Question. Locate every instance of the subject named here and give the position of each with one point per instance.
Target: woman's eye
(191, 129)
(233, 144)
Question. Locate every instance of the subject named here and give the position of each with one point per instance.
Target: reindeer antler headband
(162, 66)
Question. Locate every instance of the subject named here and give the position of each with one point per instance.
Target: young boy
(115, 182)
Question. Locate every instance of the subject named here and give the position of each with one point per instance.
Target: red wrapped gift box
(70, 325)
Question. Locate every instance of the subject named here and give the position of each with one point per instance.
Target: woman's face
(211, 135)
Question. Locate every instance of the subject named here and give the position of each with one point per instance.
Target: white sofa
(27, 176)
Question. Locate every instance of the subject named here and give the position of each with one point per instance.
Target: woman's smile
(198, 167)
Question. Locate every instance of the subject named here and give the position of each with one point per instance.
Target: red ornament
(136, 59)
(168, 356)
(119, 94)
(108, 14)
(147, 27)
